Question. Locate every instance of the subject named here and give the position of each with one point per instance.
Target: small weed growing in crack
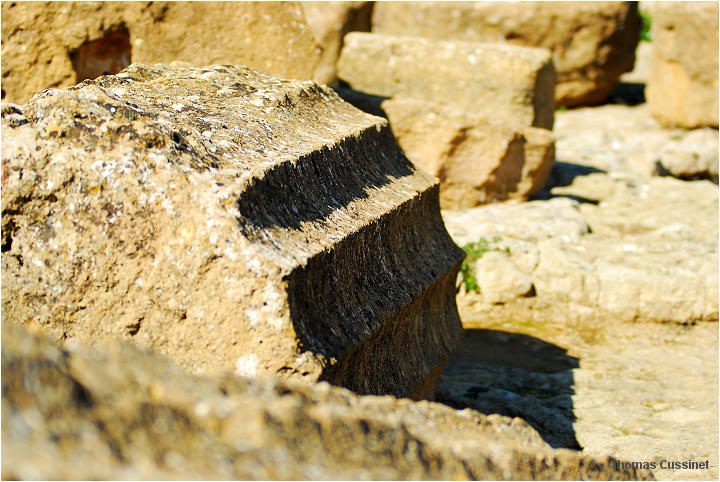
(474, 252)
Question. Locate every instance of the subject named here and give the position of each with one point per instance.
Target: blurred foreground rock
(57, 44)
(683, 86)
(232, 220)
(592, 43)
(117, 412)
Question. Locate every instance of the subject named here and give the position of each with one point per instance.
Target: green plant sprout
(474, 251)
(645, 32)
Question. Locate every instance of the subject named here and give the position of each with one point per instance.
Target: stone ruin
(476, 115)
(231, 220)
(242, 224)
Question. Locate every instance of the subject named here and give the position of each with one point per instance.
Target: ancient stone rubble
(329, 22)
(592, 43)
(231, 220)
(500, 82)
(476, 160)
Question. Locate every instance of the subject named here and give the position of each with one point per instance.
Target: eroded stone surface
(647, 252)
(476, 160)
(683, 86)
(57, 44)
(118, 412)
(638, 392)
(615, 252)
(628, 141)
(592, 42)
(232, 220)
(500, 82)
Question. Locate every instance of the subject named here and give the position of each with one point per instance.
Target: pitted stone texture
(476, 160)
(683, 85)
(501, 82)
(232, 220)
(41, 41)
(592, 43)
(117, 412)
(329, 22)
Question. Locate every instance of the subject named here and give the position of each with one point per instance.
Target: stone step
(232, 220)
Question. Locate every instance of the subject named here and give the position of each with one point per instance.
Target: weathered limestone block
(501, 82)
(329, 22)
(477, 160)
(647, 252)
(57, 44)
(232, 220)
(269, 36)
(592, 43)
(121, 413)
(683, 85)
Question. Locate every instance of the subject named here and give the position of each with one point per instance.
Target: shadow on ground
(627, 93)
(517, 376)
(563, 174)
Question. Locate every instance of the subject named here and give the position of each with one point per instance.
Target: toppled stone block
(683, 85)
(476, 160)
(500, 82)
(231, 220)
(329, 22)
(121, 413)
(57, 44)
(592, 43)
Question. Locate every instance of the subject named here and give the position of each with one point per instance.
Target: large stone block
(683, 85)
(329, 22)
(501, 82)
(121, 413)
(592, 43)
(232, 220)
(476, 160)
(57, 44)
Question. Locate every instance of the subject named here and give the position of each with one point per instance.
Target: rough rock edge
(120, 412)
